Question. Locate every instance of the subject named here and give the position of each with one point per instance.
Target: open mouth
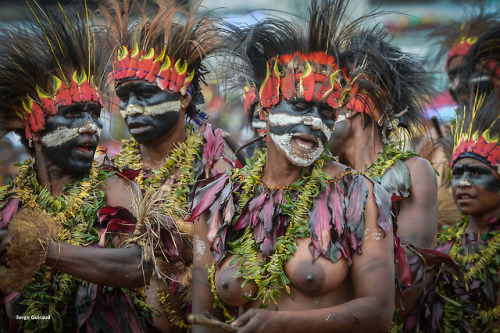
(465, 197)
(305, 143)
(87, 147)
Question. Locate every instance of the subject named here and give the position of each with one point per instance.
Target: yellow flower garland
(179, 164)
(75, 211)
(478, 261)
(180, 160)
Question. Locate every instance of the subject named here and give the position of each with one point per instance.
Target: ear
(185, 100)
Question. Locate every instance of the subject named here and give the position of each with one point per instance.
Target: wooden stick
(211, 323)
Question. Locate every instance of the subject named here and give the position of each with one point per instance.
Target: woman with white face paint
(64, 217)
(294, 230)
(470, 303)
(372, 133)
(157, 73)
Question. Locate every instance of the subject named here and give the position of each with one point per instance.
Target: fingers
(248, 322)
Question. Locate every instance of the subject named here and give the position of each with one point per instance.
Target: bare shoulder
(421, 169)
(334, 169)
(119, 191)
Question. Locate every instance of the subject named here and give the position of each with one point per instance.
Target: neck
(363, 148)
(279, 171)
(155, 153)
(54, 179)
(479, 223)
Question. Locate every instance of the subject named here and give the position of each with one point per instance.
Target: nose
(89, 128)
(464, 181)
(132, 109)
(313, 122)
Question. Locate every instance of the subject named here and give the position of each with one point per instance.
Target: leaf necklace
(474, 264)
(75, 212)
(269, 274)
(179, 164)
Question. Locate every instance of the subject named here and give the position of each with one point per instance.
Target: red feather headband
(461, 48)
(295, 75)
(481, 146)
(79, 90)
(160, 68)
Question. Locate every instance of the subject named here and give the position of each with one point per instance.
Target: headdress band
(286, 72)
(166, 72)
(35, 109)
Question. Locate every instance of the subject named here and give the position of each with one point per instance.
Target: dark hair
(50, 43)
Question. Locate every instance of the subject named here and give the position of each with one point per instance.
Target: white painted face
(151, 110)
(301, 130)
(70, 137)
(284, 142)
(62, 135)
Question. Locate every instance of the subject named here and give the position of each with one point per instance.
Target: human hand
(255, 320)
(5, 240)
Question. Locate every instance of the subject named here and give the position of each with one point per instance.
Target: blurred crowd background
(408, 22)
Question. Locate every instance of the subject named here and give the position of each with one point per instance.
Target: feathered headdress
(49, 62)
(485, 55)
(458, 37)
(166, 48)
(403, 84)
(477, 132)
(279, 59)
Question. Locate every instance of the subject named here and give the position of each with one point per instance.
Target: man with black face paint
(64, 218)
(471, 302)
(157, 73)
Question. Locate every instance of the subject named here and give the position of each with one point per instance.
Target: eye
(458, 171)
(327, 113)
(70, 112)
(122, 94)
(95, 111)
(148, 92)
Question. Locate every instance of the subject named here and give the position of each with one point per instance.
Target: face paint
(70, 137)
(284, 142)
(63, 134)
(475, 187)
(153, 110)
(301, 130)
(316, 123)
(475, 175)
(150, 113)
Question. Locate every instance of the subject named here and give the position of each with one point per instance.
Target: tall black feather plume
(51, 42)
(186, 34)
(404, 85)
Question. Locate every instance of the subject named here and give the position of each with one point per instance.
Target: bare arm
(417, 219)
(118, 267)
(202, 258)
(371, 310)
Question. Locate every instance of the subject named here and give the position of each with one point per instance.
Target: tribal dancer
(56, 217)
(158, 73)
(469, 304)
(368, 136)
(294, 230)
(455, 42)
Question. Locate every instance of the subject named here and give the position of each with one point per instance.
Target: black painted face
(301, 129)
(475, 186)
(149, 112)
(70, 137)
